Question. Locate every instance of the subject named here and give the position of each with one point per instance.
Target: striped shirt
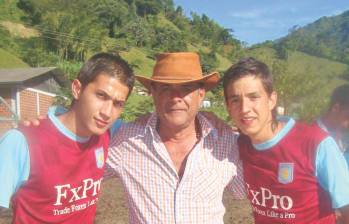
(154, 191)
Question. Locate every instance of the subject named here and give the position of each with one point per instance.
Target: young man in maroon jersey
(52, 172)
(294, 173)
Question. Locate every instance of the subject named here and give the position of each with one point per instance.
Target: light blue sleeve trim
(332, 172)
(115, 127)
(290, 122)
(14, 164)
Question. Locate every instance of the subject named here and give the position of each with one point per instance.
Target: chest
(64, 173)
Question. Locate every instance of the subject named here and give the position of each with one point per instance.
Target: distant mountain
(327, 37)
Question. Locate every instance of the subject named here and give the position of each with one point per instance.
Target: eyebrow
(109, 97)
(248, 95)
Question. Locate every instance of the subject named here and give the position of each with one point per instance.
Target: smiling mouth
(247, 121)
(101, 123)
(175, 110)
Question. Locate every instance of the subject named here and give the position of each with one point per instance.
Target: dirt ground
(112, 207)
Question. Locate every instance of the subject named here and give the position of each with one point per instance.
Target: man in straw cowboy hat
(174, 166)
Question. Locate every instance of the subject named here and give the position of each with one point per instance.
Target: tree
(139, 32)
(112, 14)
(147, 7)
(131, 111)
(209, 61)
(168, 39)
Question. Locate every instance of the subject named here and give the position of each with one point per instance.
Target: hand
(33, 122)
(219, 124)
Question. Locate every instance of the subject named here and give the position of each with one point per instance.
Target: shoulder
(13, 145)
(12, 136)
(130, 130)
(310, 132)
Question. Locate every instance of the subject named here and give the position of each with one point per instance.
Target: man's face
(342, 116)
(250, 107)
(177, 105)
(98, 104)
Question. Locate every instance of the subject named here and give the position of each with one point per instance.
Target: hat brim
(209, 81)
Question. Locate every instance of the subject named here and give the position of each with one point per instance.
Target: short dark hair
(340, 96)
(109, 64)
(246, 67)
(250, 67)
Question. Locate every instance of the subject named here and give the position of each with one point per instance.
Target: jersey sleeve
(332, 172)
(14, 164)
(57, 110)
(346, 156)
(115, 127)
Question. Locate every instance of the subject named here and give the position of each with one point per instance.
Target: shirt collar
(206, 127)
(322, 125)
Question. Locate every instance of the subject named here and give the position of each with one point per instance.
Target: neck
(330, 123)
(267, 134)
(178, 134)
(70, 121)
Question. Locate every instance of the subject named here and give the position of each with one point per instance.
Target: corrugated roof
(22, 74)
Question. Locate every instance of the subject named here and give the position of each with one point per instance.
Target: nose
(176, 94)
(106, 109)
(245, 105)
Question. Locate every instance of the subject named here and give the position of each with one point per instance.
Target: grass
(138, 58)
(8, 60)
(224, 63)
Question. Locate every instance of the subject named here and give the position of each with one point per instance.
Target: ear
(272, 100)
(202, 93)
(76, 89)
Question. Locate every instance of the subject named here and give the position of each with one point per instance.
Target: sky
(255, 21)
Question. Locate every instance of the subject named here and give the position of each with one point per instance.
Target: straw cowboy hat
(179, 68)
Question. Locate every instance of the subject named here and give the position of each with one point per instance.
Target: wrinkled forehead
(177, 85)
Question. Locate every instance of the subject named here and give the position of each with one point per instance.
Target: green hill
(139, 60)
(8, 60)
(303, 82)
(327, 37)
(59, 33)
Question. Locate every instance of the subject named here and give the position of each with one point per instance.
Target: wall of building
(6, 95)
(34, 103)
(5, 113)
(31, 104)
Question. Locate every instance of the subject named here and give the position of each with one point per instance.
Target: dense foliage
(65, 33)
(327, 37)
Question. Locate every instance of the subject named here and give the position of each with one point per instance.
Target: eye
(188, 88)
(163, 88)
(100, 95)
(234, 100)
(254, 97)
(119, 104)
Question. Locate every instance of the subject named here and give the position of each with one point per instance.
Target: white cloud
(250, 14)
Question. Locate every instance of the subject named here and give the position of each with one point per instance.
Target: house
(26, 93)
(206, 104)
